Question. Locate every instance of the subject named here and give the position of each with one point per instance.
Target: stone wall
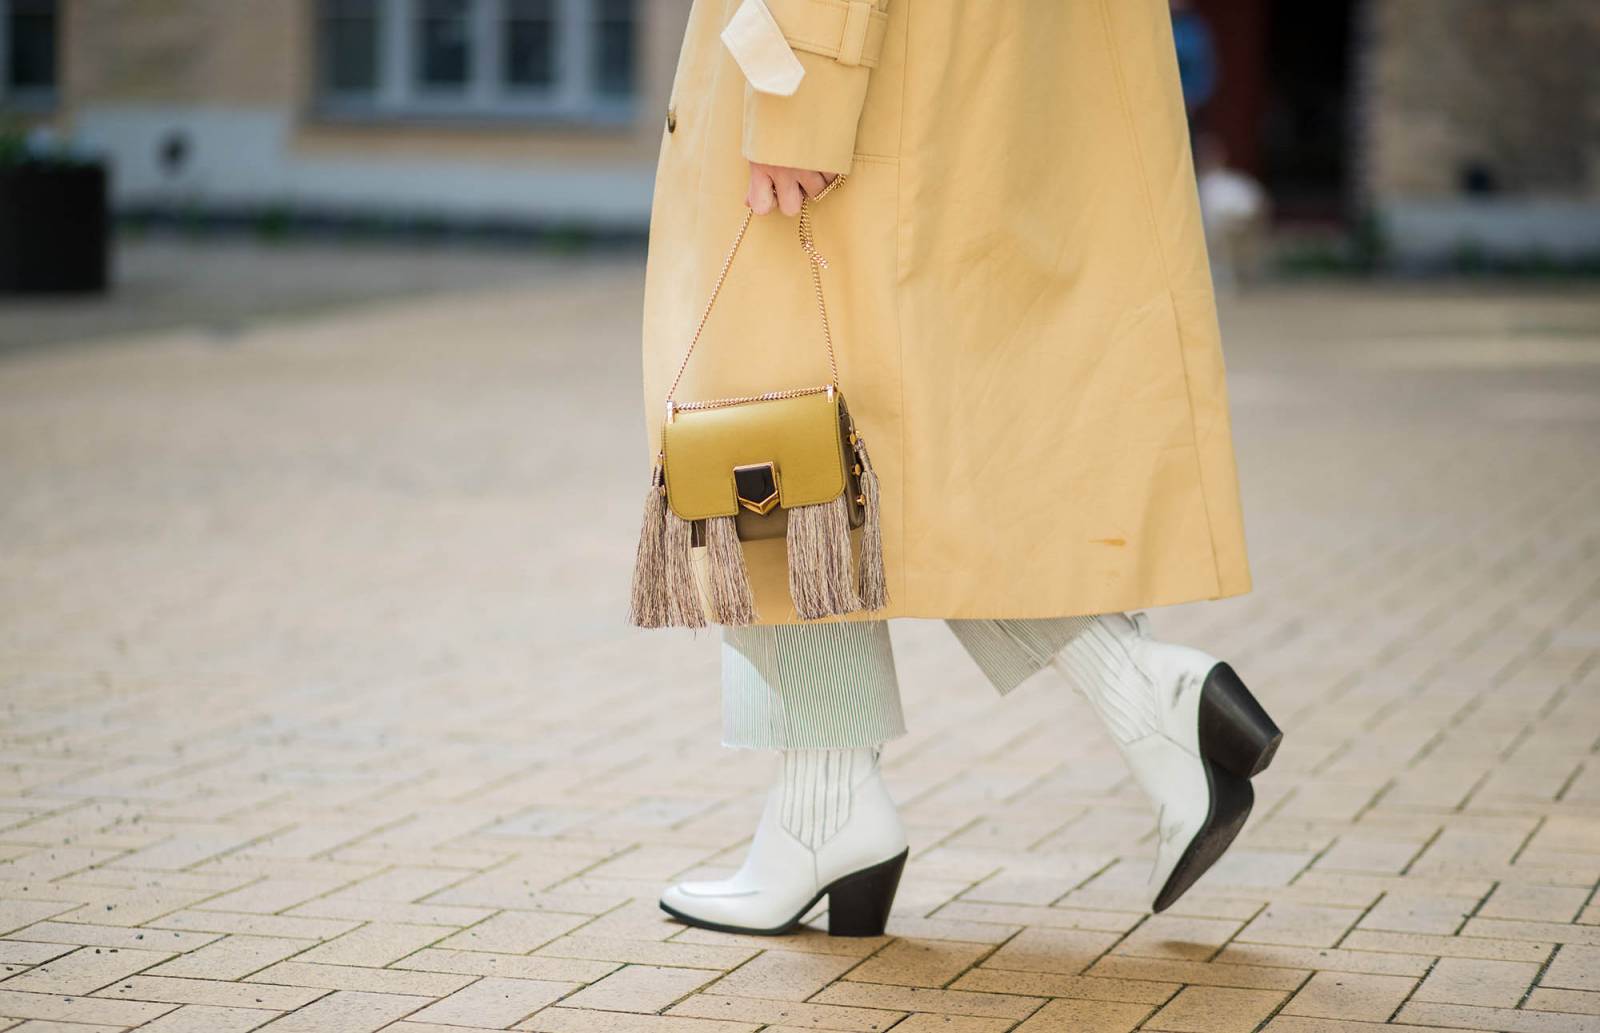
(184, 51)
(1509, 86)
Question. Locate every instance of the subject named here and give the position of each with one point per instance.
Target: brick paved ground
(318, 713)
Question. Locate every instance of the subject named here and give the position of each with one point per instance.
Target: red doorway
(1283, 99)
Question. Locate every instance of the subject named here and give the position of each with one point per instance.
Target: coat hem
(1159, 244)
(1111, 605)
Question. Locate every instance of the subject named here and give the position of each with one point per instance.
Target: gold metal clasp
(757, 487)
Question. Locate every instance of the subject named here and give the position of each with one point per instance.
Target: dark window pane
(444, 42)
(530, 42)
(614, 49)
(349, 46)
(32, 31)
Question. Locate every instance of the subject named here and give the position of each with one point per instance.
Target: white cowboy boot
(1190, 731)
(829, 828)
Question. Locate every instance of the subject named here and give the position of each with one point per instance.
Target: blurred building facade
(1457, 123)
(544, 111)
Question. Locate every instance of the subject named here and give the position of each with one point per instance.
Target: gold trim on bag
(760, 507)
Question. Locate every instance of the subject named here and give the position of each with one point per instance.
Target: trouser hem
(833, 686)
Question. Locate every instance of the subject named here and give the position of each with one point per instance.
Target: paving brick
(1332, 959)
(21, 913)
(347, 1012)
(375, 944)
(716, 953)
(1282, 1023)
(1299, 925)
(1214, 1009)
(1554, 932)
(1581, 1002)
(930, 963)
(912, 928)
(514, 932)
(712, 1005)
(494, 1002)
(1049, 984)
(953, 1024)
(115, 936)
(915, 999)
(477, 963)
(18, 954)
(1011, 916)
(1535, 903)
(16, 1004)
(213, 992)
(1185, 939)
(805, 939)
(1492, 984)
(1350, 995)
(1197, 973)
(782, 975)
(574, 1020)
(1449, 946)
(1358, 853)
(1067, 951)
(404, 884)
(390, 911)
(640, 988)
(356, 977)
(231, 958)
(201, 1018)
(84, 970)
(281, 926)
(269, 896)
(1575, 967)
(1416, 913)
(1507, 1020)
(1085, 1017)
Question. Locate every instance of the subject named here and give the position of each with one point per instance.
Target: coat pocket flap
(758, 45)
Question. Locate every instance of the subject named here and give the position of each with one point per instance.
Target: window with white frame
(565, 59)
(28, 52)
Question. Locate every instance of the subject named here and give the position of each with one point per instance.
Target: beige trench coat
(1021, 301)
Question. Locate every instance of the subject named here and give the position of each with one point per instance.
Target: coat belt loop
(853, 41)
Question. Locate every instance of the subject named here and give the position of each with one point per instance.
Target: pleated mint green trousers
(833, 686)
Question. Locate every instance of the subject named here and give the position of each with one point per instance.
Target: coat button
(672, 117)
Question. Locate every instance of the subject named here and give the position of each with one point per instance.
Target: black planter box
(54, 228)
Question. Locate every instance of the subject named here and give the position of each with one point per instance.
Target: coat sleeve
(806, 64)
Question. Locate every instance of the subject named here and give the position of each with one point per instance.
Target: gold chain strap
(817, 263)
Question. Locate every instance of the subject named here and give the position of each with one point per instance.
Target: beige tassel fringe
(684, 608)
(819, 559)
(648, 608)
(871, 583)
(732, 601)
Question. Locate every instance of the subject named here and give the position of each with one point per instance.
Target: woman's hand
(778, 186)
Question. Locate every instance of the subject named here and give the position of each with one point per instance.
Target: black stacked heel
(859, 903)
(1234, 730)
(1237, 741)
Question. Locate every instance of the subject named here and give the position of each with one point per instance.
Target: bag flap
(798, 436)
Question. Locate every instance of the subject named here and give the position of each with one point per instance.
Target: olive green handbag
(787, 464)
